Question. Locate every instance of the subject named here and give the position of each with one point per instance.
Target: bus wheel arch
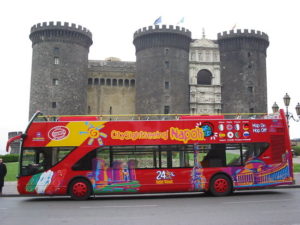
(80, 188)
(220, 184)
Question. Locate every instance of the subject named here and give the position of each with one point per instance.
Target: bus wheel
(220, 185)
(80, 189)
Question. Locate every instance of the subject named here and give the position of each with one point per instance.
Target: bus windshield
(35, 160)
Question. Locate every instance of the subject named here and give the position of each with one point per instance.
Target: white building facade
(204, 77)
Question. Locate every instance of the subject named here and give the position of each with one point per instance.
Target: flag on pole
(180, 21)
(157, 21)
(234, 26)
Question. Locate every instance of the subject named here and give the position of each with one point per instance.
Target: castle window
(215, 56)
(204, 77)
(166, 51)
(167, 85)
(207, 56)
(132, 83)
(251, 110)
(114, 82)
(90, 81)
(126, 83)
(102, 81)
(167, 64)
(192, 56)
(56, 60)
(55, 82)
(250, 89)
(193, 111)
(56, 51)
(96, 81)
(200, 57)
(120, 82)
(108, 82)
(89, 110)
(167, 109)
(249, 54)
(53, 105)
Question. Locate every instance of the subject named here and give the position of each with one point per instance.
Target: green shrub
(10, 158)
(296, 149)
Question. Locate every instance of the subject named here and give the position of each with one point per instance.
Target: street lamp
(286, 100)
(298, 109)
(275, 107)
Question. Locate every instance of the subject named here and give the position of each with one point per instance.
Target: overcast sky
(113, 24)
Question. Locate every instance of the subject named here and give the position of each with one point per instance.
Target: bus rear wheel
(80, 189)
(220, 185)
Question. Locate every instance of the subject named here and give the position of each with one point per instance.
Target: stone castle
(173, 73)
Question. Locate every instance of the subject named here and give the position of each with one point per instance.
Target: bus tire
(220, 185)
(80, 189)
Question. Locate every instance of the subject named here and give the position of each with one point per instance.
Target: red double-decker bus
(82, 156)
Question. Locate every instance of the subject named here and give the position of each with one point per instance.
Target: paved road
(270, 207)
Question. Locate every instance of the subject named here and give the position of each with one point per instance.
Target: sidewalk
(10, 188)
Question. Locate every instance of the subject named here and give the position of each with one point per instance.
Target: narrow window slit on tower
(56, 60)
(55, 82)
(167, 109)
(167, 84)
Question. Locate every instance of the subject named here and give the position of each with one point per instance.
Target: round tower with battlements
(162, 63)
(243, 71)
(59, 68)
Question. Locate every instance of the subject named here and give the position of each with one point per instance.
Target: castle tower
(59, 68)
(162, 64)
(243, 71)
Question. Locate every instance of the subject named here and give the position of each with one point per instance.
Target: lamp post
(275, 107)
(286, 100)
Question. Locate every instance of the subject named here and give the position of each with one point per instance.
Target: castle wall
(111, 87)
(162, 80)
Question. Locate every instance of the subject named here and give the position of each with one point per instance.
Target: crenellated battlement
(62, 26)
(162, 36)
(162, 29)
(61, 32)
(243, 33)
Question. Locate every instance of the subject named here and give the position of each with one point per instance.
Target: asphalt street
(268, 207)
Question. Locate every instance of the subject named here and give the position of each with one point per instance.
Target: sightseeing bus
(82, 156)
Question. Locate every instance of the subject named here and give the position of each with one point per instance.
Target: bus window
(214, 156)
(169, 156)
(143, 156)
(85, 163)
(253, 150)
(176, 156)
(104, 154)
(239, 154)
(36, 160)
(186, 156)
(233, 155)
